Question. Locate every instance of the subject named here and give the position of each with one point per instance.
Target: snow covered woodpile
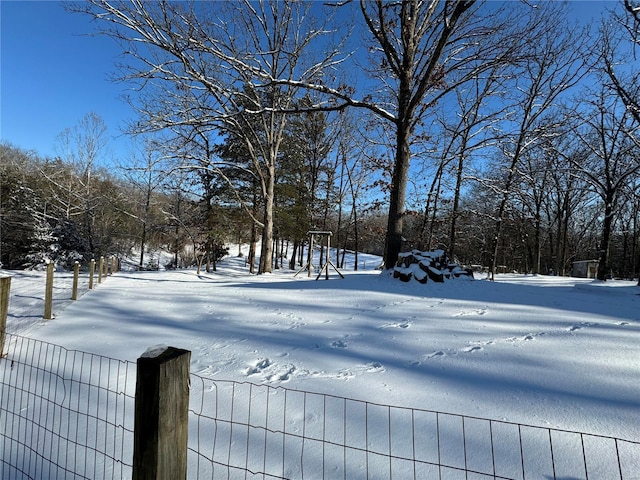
(425, 266)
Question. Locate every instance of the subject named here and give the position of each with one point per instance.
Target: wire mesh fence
(245, 430)
(64, 413)
(70, 414)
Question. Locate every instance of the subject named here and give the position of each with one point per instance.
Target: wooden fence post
(100, 269)
(76, 272)
(161, 415)
(92, 269)
(5, 287)
(48, 293)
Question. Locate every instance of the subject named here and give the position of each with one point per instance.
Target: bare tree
(555, 62)
(146, 174)
(83, 146)
(625, 84)
(612, 161)
(467, 129)
(218, 54)
(420, 51)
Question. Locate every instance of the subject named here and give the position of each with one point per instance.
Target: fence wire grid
(64, 414)
(246, 430)
(69, 414)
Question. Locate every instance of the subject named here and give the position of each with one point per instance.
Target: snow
(154, 351)
(555, 352)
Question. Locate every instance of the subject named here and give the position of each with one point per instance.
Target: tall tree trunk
(394, 238)
(603, 265)
(455, 208)
(537, 254)
(266, 252)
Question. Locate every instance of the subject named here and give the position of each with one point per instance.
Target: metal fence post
(161, 415)
(5, 287)
(48, 293)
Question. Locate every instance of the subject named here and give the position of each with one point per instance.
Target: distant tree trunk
(143, 240)
(635, 251)
(251, 258)
(603, 265)
(176, 257)
(276, 244)
(537, 253)
(292, 260)
(147, 208)
(356, 239)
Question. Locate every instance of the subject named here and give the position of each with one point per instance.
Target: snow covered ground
(547, 351)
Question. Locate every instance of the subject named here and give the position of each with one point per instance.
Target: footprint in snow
(474, 348)
(580, 325)
(339, 344)
(404, 324)
(439, 353)
(479, 311)
(282, 376)
(375, 367)
(259, 366)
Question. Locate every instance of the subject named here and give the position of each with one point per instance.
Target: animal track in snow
(259, 366)
(581, 325)
(403, 324)
(473, 348)
(351, 372)
(339, 344)
(477, 346)
(272, 372)
(477, 311)
(374, 367)
(282, 374)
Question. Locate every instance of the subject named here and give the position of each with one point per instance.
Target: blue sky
(52, 73)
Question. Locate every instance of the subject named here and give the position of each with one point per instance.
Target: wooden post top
(161, 354)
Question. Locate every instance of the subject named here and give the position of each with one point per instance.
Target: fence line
(64, 413)
(70, 414)
(57, 291)
(262, 431)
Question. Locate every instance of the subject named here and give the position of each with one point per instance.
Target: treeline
(504, 133)
(63, 211)
(55, 210)
(75, 209)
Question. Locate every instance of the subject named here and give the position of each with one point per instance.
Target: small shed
(585, 269)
